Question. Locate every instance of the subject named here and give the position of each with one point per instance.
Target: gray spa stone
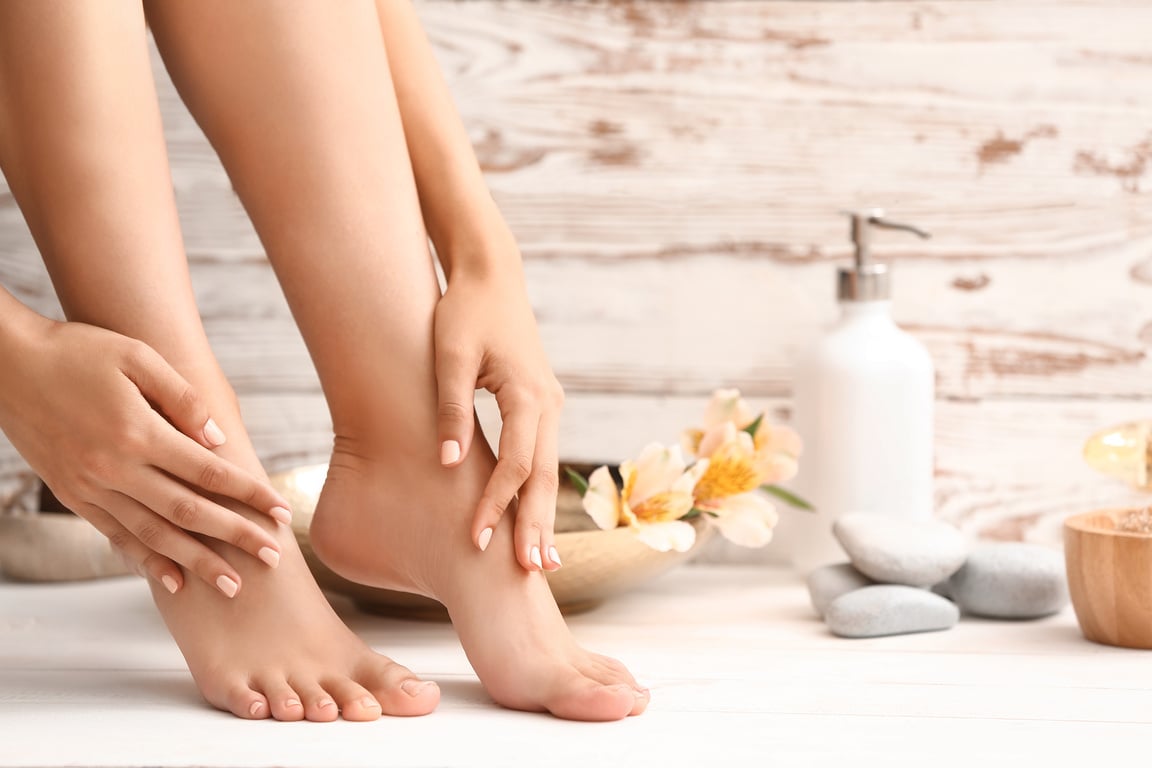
(889, 609)
(918, 553)
(830, 582)
(1011, 581)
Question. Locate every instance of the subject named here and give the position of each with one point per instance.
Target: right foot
(278, 650)
(404, 525)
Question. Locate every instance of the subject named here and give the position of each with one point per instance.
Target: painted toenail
(270, 556)
(485, 537)
(416, 687)
(369, 703)
(554, 556)
(169, 583)
(256, 709)
(227, 586)
(292, 703)
(535, 557)
(449, 452)
(325, 703)
(281, 515)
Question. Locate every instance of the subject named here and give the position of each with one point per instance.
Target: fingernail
(369, 703)
(554, 556)
(449, 452)
(292, 703)
(269, 555)
(281, 515)
(415, 687)
(256, 709)
(169, 583)
(227, 586)
(534, 556)
(213, 433)
(325, 703)
(485, 537)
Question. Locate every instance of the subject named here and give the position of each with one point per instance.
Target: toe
(609, 672)
(283, 700)
(244, 702)
(354, 700)
(587, 699)
(400, 692)
(319, 705)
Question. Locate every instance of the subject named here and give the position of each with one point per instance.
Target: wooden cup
(1110, 578)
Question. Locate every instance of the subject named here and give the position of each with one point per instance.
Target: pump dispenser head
(866, 280)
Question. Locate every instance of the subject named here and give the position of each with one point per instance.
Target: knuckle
(150, 535)
(206, 566)
(548, 477)
(519, 465)
(532, 525)
(213, 476)
(187, 400)
(138, 355)
(453, 411)
(556, 395)
(184, 513)
(120, 540)
(243, 538)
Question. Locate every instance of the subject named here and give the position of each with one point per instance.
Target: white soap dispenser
(864, 396)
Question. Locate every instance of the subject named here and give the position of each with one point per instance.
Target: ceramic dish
(597, 564)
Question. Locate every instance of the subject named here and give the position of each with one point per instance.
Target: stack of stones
(919, 575)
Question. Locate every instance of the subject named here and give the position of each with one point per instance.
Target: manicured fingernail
(415, 687)
(170, 583)
(281, 515)
(485, 537)
(449, 452)
(369, 703)
(292, 702)
(213, 433)
(227, 586)
(534, 556)
(554, 556)
(325, 703)
(256, 709)
(270, 556)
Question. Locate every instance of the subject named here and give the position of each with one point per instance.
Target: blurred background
(674, 172)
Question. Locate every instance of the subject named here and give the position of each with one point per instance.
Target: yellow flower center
(661, 507)
(730, 472)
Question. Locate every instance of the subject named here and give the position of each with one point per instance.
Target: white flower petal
(727, 405)
(672, 535)
(716, 436)
(686, 483)
(657, 468)
(602, 499)
(747, 519)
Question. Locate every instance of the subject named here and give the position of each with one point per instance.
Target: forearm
(462, 219)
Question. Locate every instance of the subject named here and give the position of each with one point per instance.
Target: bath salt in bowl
(597, 563)
(1109, 560)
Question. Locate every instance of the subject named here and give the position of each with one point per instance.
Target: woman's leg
(84, 154)
(297, 99)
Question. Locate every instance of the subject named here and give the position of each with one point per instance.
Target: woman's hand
(486, 337)
(83, 407)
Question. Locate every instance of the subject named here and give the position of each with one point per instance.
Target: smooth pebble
(889, 609)
(918, 553)
(830, 582)
(1010, 580)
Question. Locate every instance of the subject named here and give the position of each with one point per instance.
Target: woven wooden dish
(597, 564)
(1110, 578)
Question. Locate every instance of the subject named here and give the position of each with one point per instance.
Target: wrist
(480, 247)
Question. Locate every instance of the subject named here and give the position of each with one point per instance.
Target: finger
(148, 563)
(514, 465)
(186, 509)
(456, 396)
(160, 536)
(172, 395)
(205, 470)
(536, 513)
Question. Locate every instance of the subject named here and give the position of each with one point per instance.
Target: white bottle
(864, 397)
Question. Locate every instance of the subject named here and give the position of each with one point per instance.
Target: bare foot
(278, 650)
(397, 522)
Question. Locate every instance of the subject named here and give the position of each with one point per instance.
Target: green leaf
(577, 481)
(788, 497)
(751, 428)
(691, 514)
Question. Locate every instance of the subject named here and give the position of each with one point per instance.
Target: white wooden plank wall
(674, 172)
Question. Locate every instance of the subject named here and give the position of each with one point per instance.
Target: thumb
(456, 395)
(172, 395)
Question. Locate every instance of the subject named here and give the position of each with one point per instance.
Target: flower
(657, 493)
(777, 449)
(727, 487)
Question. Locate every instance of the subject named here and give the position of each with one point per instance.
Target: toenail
(416, 687)
(256, 709)
(325, 703)
(369, 703)
(484, 538)
(535, 557)
(554, 556)
(227, 586)
(642, 693)
(269, 556)
(292, 703)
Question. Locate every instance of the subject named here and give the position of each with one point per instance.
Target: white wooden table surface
(741, 673)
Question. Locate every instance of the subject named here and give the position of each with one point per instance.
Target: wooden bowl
(597, 564)
(1110, 578)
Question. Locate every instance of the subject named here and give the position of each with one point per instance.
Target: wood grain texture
(673, 172)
